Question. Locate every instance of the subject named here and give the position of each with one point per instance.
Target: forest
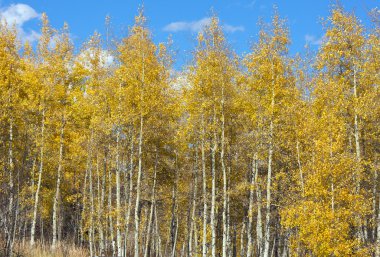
(106, 151)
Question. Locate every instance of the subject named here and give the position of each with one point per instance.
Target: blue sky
(181, 19)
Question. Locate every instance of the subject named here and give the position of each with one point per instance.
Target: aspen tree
(342, 57)
(333, 182)
(369, 106)
(10, 100)
(115, 151)
(212, 82)
(145, 81)
(267, 65)
(43, 73)
(64, 54)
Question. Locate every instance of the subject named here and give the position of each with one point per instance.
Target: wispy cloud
(196, 26)
(17, 15)
(232, 29)
(313, 40)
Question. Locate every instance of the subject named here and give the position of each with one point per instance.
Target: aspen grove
(108, 149)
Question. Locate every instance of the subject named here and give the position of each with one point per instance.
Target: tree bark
(259, 225)
(128, 212)
(10, 221)
(174, 221)
(194, 206)
(118, 202)
(250, 210)
(213, 190)
(242, 233)
(110, 225)
(138, 188)
(153, 203)
(58, 184)
(224, 250)
(204, 239)
(139, 174)
(269, 180)
(37, 194)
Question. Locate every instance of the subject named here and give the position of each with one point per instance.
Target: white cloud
(17, 15)
(232, 29)
(313, 40)
(196, 26)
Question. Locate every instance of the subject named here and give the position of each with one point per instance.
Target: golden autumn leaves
(252, 156)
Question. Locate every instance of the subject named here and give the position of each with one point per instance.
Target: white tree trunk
(175, 239)
(224, 250)
(58, 184)
(153, 203)
(250, 210)
(268, 203)
(10, 184)
(242, 244)
(138, 189)
(269, 175)
(157, 232)
(103, 244)
(259, 225)
(128, 212)
(174, 221)
(194, 207)
(204, 238)
(91, 193)
(37, 194)
(99, 207)
(139, 173)
(118, 202)
(213, 191)
(110, 227)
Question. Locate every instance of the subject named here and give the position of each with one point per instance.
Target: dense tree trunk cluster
(262, 155)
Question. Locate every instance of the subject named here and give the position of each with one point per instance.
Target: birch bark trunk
(250, 210)
(147, 243)
(259, 225)
(110, 227)
(37, 194)
(58, 184)
(139, 174)
(91, 193)
(224, 214)
(128, 213)
(204, 239)
(138, 185)
(194, 206)
(10, 221)
(118, 202)
(269, 180)
(174, 221)
(213, 190)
